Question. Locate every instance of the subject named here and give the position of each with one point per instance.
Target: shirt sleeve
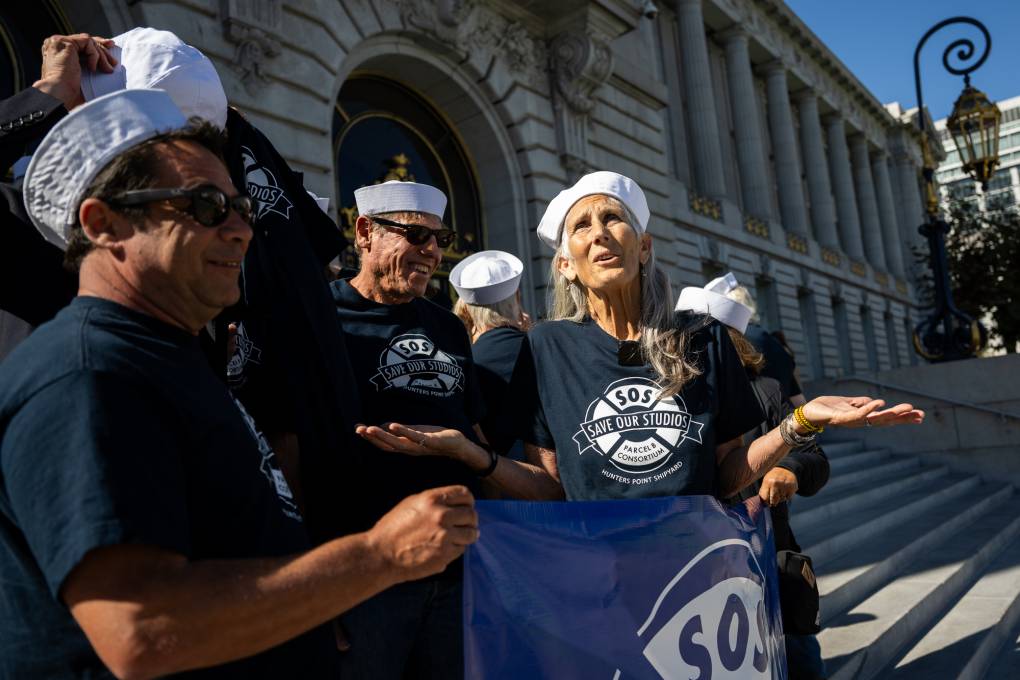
(93, 461)
(739, 410)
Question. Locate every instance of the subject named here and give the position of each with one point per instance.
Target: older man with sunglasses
(145, 526)
(412, 363)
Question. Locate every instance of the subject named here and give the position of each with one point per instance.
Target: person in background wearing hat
(287, 363)
(489, 305)
(633, 401)
(145, 527)
(779, 363)
(805, 470)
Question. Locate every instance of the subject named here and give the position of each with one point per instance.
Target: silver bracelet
(787, 430)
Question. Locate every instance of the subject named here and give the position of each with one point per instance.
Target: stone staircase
(918, 568)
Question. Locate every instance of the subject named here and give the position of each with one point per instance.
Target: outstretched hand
(859, 412)
(416, 440)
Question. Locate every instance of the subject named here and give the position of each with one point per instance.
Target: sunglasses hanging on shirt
(628, 353)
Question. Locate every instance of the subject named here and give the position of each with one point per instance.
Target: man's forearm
(180, 615)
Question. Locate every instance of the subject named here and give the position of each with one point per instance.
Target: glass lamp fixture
(974, 124)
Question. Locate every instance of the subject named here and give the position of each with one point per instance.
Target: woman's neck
(617, 312)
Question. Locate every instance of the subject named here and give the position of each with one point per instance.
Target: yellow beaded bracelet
(802, 420)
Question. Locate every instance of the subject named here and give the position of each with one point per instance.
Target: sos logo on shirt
(710, 620)
(632, 427)
(263, 187)
(413, 362)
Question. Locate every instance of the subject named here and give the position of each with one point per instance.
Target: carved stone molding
(509, 41)
(580, 63)
(469, 27)
(442, 18)
(252, 25)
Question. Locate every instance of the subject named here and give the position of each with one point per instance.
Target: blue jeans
(412, 631)
(804, 658)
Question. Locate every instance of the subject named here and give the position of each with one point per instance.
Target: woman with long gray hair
(633, 401)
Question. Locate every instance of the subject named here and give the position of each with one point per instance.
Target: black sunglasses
(419, 234)
(207, 204)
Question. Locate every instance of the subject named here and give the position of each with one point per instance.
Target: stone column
(887, 214)
(754, 180)
(907, 175)
(706, 153)
(871, 225)
(843, 186)
(823, 210)
(784, 149)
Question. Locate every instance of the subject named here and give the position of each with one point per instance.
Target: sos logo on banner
(669, 588)
(721, 632)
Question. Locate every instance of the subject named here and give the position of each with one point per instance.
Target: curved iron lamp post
(950, 334)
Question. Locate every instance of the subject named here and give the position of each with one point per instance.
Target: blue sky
(876, 41)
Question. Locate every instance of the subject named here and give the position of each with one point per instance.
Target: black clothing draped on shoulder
(33, 283)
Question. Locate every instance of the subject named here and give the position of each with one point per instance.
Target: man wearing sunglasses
(412, 364)
(145, 526)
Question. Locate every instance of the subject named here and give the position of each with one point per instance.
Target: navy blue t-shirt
(613, 438)
(412, 365)
(115, 430)
(504, 376)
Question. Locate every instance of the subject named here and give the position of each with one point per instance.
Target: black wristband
(493, 462)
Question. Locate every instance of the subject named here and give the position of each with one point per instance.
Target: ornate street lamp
(949, 334)
(974, 124)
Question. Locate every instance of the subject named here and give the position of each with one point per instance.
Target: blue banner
(674, 588)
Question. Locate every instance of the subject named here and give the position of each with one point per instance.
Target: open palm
(858, 412)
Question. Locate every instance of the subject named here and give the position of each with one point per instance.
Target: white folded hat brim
(488, 293)
(395, 196)
(84, 142)
(719, 307)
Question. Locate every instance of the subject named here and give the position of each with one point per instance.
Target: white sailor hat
(612, 184)
(81, 145)
(712, 300)
(152, 59)
(487, 277)
(394, 196)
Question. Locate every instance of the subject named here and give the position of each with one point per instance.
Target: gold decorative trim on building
(830, 256)
(756, 226)
(858, 268)
(796, 243)
(901, 286)
(881, 278)
(706, 207)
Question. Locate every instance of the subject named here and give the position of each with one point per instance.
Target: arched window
(383, 130)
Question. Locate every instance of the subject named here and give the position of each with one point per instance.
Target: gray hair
(664, 342)
(742, 295)
(506, 312)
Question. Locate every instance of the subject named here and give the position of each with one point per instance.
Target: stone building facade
(758, 150)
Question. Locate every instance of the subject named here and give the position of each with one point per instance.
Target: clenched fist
(777, 486)
(427, 531)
